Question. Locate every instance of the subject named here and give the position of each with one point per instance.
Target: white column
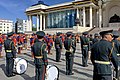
(91, 23)
(37, 22)
(84, 17)
(44, 22)
(100, 18)
(77, 16)
(40, 22)
(97, 18)
(100, 13)
(30, 23)
(77, 13)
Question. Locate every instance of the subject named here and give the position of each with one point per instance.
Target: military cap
(85, 33)
(58, 34)
(90, 34)
(73, 34)
(10, 34)
(69, 33)
(106, 32)
(96, 34)
(40, 33)
(115, 34)
(33, 34)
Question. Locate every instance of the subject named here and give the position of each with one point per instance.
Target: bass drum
(20, 65)
(52, 72)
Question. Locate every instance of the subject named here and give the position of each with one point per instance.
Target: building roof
(44, 8)
(40, 2)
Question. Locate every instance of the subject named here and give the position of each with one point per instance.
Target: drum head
(52, 72)
(21, 65)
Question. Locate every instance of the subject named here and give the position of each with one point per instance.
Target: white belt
(102, 62)
(8, 50)
(85, 45)
(118, 54)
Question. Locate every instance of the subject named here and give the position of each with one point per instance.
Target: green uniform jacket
(101, 51)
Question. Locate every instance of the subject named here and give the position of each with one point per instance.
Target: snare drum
(52, 72)
(20, 65)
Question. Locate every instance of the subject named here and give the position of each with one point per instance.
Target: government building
(77, 16)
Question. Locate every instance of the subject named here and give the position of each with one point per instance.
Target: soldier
(1, 43)
(10, 54)
(117, 43)
(85, 48)
(96, 38)
(25, 41)
(90, 40)
(116, 49)
(58, 47)
(40, 56)
(69, 53)
(49, 44)
(102, 54)
(20, 42)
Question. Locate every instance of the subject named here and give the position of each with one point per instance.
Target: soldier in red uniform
(14, 39)
(49, 43)
(1, 42)
(20, 42)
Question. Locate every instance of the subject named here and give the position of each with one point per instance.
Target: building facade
(21, 25)
(79, 15)
(5, 26)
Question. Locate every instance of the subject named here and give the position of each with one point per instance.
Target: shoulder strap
(10, 44)
(41, 48)
(113, 44)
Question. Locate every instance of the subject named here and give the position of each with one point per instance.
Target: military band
(104, 51)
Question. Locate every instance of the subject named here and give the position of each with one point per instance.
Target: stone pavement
(80, 73)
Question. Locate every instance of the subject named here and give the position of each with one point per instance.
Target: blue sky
(12, 9)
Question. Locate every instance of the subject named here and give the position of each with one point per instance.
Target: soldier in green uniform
(102, 53)
(58, 47)
(40, 56)
(85, 48)
(10, 54)
(90, 40)
(69, 53)
(117, 50)
(96, 38)
(117, 43)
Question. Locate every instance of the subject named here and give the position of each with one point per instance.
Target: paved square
(80, 73)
